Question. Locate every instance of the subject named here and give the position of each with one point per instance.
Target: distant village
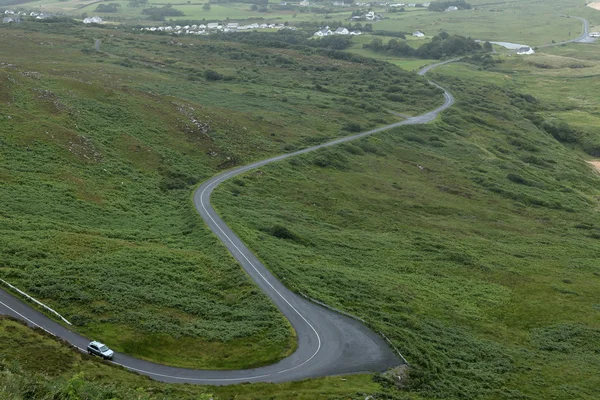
(213, 27)
(15, 16)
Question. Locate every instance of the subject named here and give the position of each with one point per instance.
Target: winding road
(328, 343)
(583, 38)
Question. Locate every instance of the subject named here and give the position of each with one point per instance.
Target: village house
(323, 32)
(525, 50)
(418, 34)
(341, 31)
(305, 3)
(92, 20)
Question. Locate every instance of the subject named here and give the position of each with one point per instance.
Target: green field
(100, 154)
(471, 243)
(530, 22)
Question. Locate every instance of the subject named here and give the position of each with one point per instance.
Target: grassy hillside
(471, 242)
(100, 153)
(68, 374)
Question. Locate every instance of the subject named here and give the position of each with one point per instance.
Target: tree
(159, 13)
(368, 28)
(108, 8)
(487, 46)
(206, 6)
(375, 45)
(138, 3)
(443, 5)
(254, 7)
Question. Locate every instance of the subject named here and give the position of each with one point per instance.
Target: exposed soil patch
(595, 6)
(595, 164)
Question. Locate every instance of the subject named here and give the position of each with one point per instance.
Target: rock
(397, 376)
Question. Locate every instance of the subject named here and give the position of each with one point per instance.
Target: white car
(100, 349)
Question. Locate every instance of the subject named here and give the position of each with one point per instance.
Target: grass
(471, 242)
(529, 22)
(66, 373)
(100, 152)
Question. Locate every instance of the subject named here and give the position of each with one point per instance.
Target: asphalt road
(583, 38)
(328, 343)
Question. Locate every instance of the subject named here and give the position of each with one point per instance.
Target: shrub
(212, 75)
(352, 127)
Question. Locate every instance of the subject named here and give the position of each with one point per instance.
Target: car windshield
(104, 348)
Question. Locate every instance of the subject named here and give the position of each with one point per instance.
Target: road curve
(583, 38)
(328, 343)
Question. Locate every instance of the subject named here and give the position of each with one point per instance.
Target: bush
(281, 232)
(212, 75)
(518, 179)
(561, 131)
(352, 127)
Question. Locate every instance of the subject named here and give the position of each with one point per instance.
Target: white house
(9, 12)
(7, 20)
(201, 26)
(341, 31)
(452, 8)
(370, 16)
(305, 3)
(212, 25)
(525, 50)
(595, 34)
(356, 33)
(233, 25)
(92, 20)
(418, 34)
(323, 32)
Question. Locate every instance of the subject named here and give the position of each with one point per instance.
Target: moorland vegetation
(471, 243)
(101, 151)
